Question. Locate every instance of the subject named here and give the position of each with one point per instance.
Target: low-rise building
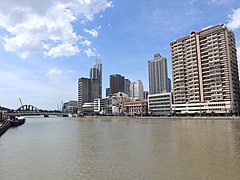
(117, 102)
(135, 108)
(160, 104)
(88, 108)
(70, 107)
(102, 106)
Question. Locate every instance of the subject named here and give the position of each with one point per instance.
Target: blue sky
(46, 45)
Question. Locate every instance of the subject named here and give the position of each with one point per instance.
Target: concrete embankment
(4, 127)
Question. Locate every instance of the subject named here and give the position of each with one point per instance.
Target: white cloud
(53, 71)
(65, 49)
(234, 22)
(44, 25)
(86, 42)
(90, 52)
(93, 32)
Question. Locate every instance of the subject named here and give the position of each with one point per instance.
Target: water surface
(121, 148)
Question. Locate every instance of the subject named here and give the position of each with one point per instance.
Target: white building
(157, 74)
(136, 90)
(160, 104)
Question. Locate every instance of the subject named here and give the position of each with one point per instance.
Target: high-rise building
(205, 72)
(158, 77)
(145, 94)
(136, 90)
(169, 85)
(116, 83)
(90, 88)
(96, 73)
(108, 92)
(127, 83)
(84, 92)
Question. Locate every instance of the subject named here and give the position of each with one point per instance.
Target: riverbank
(5, 125)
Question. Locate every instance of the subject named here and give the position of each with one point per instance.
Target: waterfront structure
(70, 107)
(136, 90)
(88, 90)
(88, 108)
(135, 108)
(160, 104)
(116, 83)
(205, 72)
(127, 83)
(117, 100)
(101, 106)
(158, 76)
(96, 73)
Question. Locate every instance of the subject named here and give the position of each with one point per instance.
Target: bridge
(30, 110)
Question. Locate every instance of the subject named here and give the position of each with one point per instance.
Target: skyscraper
(90, 88)
(127, 83)
(96, 73)
(157, 72)
(205, 72)
(169, 85)
(136, 90)
(84, 92)
(116, 83)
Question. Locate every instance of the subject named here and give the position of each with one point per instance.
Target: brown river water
(121, 148)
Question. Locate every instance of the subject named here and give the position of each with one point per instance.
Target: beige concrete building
(135, 108)
(205, 72)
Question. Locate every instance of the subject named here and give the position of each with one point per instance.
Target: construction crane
(21, 101)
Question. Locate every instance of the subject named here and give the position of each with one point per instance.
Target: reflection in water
(121, 148)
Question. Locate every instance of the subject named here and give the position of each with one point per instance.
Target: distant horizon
(47, 45)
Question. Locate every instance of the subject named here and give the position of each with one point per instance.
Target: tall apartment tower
(158, 77)
(96, 73)
(205, 72)
(116, 83)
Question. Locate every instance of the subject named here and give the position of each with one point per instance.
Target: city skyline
(124, 35)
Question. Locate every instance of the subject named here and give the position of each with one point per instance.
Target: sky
(46, 45)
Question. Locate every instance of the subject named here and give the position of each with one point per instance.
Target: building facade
(169, 85)
(70, 107)
(135, 108)
(116, 83)
(160, 104)
(136, 90)
(127, 83)
(205, 72)
(158, 76)
(96, 73)
(88, 90)
(108, 92)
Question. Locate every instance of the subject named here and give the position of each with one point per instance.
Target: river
(120, 148)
